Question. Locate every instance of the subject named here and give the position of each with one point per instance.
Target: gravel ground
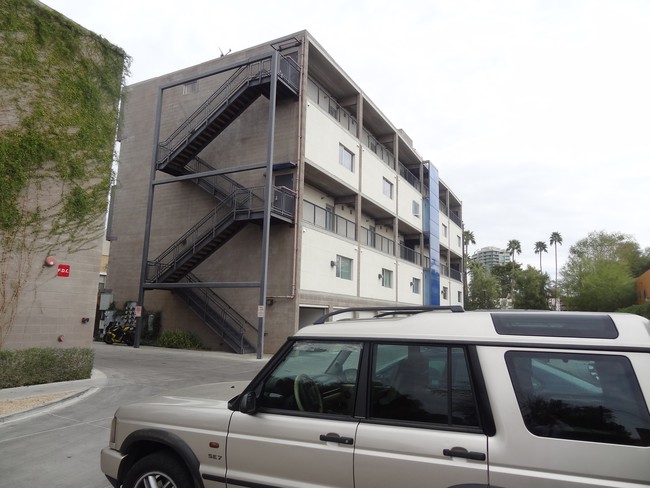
(18, 405)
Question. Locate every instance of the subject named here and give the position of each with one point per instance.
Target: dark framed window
(425, 384)
(314, 376)
(593, 326)
(586, 397)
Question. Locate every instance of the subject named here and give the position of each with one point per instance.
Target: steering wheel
(307, 394)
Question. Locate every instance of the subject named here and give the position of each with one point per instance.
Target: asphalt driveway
(58, 446)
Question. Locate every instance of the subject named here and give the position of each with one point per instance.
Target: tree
(514, 246)
(483, 288)
(540, 247)
(531, 291)
(598, 275)
(504, 276)
(468, 238)
(555, 239)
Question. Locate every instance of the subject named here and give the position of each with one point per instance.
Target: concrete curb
(71, 391)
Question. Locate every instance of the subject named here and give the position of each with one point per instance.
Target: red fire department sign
(63, 270)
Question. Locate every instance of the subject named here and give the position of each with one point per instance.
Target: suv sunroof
(555, 325)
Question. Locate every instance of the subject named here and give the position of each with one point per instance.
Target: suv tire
(164, 467)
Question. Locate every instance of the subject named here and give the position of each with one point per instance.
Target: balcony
(328, 220)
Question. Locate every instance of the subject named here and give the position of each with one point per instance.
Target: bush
(643, 310)
(36, 366)
(179, 339)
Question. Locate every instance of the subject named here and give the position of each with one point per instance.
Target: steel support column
(147, 224)
(266, 230)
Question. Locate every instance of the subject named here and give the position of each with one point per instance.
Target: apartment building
(491, 256)
(261, 189)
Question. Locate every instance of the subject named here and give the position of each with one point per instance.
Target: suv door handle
(332, 437)
(461, 452)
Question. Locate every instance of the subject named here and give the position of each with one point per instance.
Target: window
(460, 297)
(444, 230)
(388, 189)
(416, 285)
(346, 158)
(422, 383)
(191, 87)
(343, 267)
(445, 292)
(416, 209)
(315, 376)
(459, 241)
(586, 397)
(595, 326)
(386, 278)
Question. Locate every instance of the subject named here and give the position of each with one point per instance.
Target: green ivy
(64, 85)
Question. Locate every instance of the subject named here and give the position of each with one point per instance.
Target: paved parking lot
(59, 446)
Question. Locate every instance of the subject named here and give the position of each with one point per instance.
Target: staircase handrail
(288, 70)
(241, 323)
(235, 82)
(198, 165)
(241, 202)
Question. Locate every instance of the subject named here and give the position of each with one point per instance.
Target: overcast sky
(536, 113)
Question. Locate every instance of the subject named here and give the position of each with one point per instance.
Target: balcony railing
(382, 244)
(328, 220)
(379, 149)
(451, 273)
(410, 255)
(410, 178)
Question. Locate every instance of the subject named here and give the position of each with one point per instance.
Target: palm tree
(555, 239)
(540, 247)
(468, 238)
(514, 246)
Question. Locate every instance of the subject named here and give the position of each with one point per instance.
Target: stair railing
(221, 186)
(221, 96)
(242, 203)
(214, 304)
(288, 71)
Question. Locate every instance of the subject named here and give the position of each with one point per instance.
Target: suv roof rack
(389, 310)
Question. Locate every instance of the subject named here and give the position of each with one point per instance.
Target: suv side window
(422, 383)
(587, 397)
(315, 376)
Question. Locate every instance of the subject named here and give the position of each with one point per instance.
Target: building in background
(266, 189)
(491, 256)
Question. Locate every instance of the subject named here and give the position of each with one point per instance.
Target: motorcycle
(119, 334)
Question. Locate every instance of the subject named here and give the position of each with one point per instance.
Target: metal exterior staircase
(178, 156)
(227, 103)
(218, 315)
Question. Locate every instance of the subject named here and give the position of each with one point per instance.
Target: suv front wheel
(158, 469)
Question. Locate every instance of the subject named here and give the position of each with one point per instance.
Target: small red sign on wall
(63, 270)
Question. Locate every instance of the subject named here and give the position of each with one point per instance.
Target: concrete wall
(52, 308)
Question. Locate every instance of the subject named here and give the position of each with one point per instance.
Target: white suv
(411, 397)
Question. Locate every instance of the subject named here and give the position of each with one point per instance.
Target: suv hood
(192, 403)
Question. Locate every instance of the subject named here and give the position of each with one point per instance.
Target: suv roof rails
(388, 310)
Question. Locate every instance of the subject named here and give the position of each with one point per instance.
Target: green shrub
(36, 366)
(643, 310)
(179, 339)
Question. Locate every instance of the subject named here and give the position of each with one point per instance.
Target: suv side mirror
(248, 403)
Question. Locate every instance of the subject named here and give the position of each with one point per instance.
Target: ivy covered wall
(60, 87)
